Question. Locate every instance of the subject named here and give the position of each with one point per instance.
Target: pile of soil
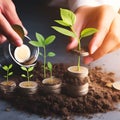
(100, 98)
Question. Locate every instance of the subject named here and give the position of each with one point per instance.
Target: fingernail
(94, 48)
(88, 59)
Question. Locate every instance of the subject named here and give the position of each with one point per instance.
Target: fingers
(11, 15)
(103, 25)
(2, 38)
(110, 43)
(8, 17)
(9, 32)
(97, 40)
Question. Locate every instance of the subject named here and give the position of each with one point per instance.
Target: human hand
(107, 21)
(8, 17)
(110, 43)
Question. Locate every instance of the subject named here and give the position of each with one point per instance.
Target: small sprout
(43, 42)
(68, 20)
(49, 67)
(51, 79)
(7, 69)
(27, 70)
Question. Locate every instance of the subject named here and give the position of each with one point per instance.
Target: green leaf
(24, 68)
(10, 66)
(11, 73)
(49, 39)
(64, 31)
(49, 64)
(40, 39)
(51, 54)
(40, 53)
(87, 32)
(30, 69)
(5, 67)
(23, 75)
(39, 42)
(35, 43)
(31, 75)
(61, 22)
(67, 16)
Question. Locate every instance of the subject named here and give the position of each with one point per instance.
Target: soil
(100, 98)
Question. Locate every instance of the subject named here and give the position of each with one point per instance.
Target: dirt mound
(100, 98)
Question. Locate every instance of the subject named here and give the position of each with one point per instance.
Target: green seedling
(50, 68)
(7, 69)
(43, 42)
(68, 20)
(27, 75)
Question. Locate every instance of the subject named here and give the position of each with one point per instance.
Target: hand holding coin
(23, 53)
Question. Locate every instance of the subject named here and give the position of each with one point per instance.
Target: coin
(22, 53)
(30, 61)
(19, 30)
(116, 85)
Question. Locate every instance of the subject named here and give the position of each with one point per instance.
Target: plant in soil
(8, 85)
(49, 68)
(43, 43)
(8, 73)
(27, 75)
(28, 86)
(68, 20)
(78, 72)
(52, 79)
(51, 84)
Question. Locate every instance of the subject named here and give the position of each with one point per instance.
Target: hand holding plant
(68, 20)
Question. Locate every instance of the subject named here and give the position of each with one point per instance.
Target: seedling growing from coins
(51, 84)
(8, 85)
(27, 75)
(8, 72)
(43, 43)
(68, 20)
(50, 68)
(28, 87)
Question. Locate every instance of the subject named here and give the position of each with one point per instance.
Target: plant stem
(79, 47)
(78, 63)
(51, 73)
(7, 74)
(28, 76)
(44, 62)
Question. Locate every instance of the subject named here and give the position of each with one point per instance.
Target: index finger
(11, 15)
(8, 31)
